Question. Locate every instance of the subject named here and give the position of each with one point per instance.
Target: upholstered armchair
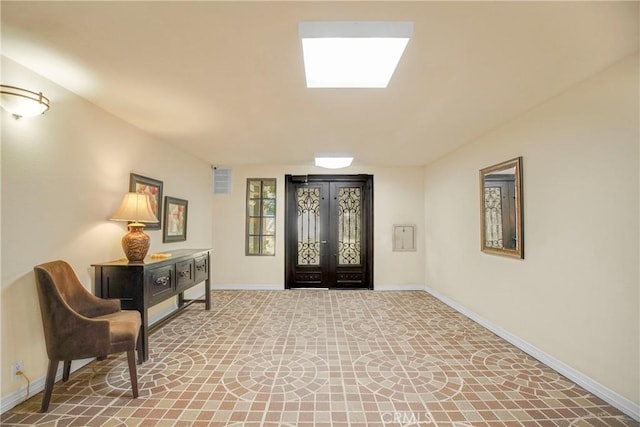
(79, 325)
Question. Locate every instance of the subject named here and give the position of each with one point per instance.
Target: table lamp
(135, 207)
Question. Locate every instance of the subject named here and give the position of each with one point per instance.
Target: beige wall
(575, 295)
(63, 175)
(398, 199)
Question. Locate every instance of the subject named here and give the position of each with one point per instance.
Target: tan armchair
(79, 325)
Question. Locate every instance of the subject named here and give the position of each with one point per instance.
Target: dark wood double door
(329, 231)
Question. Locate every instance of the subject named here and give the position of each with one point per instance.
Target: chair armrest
(92, 306)
(100, 307)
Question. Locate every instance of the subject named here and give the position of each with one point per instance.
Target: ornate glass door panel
(493, 217)
(306, 228)
(308, 219)
(329, 231)
(349, 225)
(351, 218)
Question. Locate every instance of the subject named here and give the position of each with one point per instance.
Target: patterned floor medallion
(380, 328)
(412, 377)
(318, 358)
(284, 305)
(162, 373)
(304, 327)
(520, 372)
(350, 305)
(603, 420)
(457, 329)
(198, 328)
(286, 376)
(223, 298)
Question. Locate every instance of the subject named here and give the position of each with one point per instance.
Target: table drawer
(184, 275)
(202, 268)
(160, 282)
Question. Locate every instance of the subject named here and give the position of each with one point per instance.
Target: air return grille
(221, 181)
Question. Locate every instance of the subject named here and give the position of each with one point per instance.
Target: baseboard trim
(397, 287)
(266, 287)
(614, 399)
(247, 287)
(17, 397)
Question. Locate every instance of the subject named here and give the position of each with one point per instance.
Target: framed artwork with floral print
(153, 188)
(175, 220)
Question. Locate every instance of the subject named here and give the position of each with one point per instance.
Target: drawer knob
(184, 273)
(162, 281)
(200, 267)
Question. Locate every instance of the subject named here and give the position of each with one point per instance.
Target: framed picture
(175, 220)
(152, 187)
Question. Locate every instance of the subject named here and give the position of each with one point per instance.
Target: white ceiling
(225, 80)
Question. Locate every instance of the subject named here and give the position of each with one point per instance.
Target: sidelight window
(261, 217)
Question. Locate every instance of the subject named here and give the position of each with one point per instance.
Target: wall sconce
(22, 102)
(135, 207)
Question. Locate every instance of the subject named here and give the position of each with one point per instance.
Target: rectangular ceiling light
(352, 54)
(333, 161)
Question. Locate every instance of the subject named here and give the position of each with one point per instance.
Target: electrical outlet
(17, 366)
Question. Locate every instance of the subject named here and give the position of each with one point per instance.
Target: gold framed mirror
(501, 219)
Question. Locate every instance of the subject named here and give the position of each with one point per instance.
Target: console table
(140, 285)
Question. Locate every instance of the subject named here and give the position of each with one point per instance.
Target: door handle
(324, 242)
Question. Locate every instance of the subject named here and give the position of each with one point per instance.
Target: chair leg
(140, 347)
(67, 370)
(133, 373)
(48, 387)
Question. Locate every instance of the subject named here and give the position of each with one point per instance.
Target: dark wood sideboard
(140, 285)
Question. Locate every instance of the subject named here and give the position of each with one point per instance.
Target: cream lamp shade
(137, 208)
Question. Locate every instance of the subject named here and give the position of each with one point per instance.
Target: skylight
(333, 161)
(352, 54)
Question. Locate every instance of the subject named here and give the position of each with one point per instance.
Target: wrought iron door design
(329, 231)
(493, 216)
(308, 225)
(499, 219)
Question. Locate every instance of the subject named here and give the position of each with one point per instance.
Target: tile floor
(322, 358)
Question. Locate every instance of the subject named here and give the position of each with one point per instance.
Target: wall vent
(221, 180)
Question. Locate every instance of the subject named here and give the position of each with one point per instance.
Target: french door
(329, 231)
